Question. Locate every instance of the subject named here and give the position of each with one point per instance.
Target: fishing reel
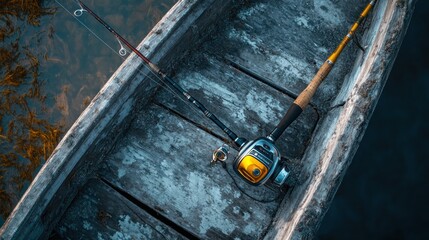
(258, 162)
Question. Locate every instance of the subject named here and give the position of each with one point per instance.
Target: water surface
(51, 68)
(384, 194)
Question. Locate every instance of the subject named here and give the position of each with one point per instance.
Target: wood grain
(339, 134)
(248, 107)
(99, 212)
(79, 152)
(287, 41)
(163, 158)
(164, 161)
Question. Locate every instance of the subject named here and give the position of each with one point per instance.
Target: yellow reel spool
(252, 169)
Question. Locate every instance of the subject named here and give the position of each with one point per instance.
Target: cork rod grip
(305, 96)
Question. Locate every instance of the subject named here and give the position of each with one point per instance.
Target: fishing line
(79, 12)
(83, 24)
(239, 141)
(355, 36)
(122, 52)
(258, 160)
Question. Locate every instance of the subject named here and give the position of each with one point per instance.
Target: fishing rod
(154, 68)
(259, 160)
(305, 96)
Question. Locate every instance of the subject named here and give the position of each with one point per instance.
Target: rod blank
(305, 96)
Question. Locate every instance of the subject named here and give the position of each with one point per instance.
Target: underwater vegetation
(27, 138)
(50, 69)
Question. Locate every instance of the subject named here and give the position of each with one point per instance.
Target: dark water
(385, 193)
(50, 68)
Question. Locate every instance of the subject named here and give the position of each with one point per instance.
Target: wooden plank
(287, 41)
(164, 161)
(47, 198)
(247, 106)
(99, 212)
(339, 134)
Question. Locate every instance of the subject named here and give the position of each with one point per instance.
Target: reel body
(259, 161)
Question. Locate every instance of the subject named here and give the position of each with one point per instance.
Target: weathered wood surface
(105, 118)
(339, 134)
(248, 107)
(157, 162)
(286, 41)
(305, 219)
(99, 212)
(164, 161)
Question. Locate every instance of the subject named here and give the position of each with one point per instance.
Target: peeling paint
(292, 65)
(100, 236)
(246, 216)
(166, 142)
(302, 21)
(322, 50)
(263, 105)
(329, 11)
(130, 230)
(236, 209)
(237, 194)
(191, 198)
(163, 177)
(87, 225)
(121, 172)
(190, 203)
(248, 229)
(215, 89)
(244, 37)
(256, 9)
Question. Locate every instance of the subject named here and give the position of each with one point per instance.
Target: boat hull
(138, 157)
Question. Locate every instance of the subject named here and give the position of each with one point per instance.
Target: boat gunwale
(355, 103)
(351, 111)
(25, 221)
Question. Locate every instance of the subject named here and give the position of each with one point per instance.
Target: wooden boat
(136, 164)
